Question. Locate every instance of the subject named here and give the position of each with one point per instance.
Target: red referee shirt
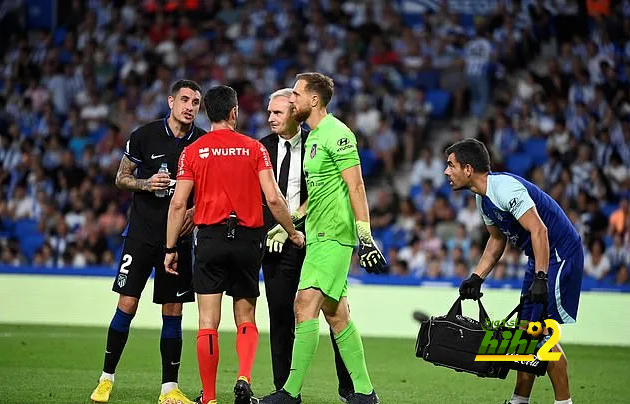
(224, 166)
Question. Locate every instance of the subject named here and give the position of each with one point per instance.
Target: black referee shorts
(230, 266)
(137, 262)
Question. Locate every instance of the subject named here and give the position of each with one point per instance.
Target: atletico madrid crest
(122, 280)
(314, 150)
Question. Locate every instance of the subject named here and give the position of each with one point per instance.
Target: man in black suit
(283, 261)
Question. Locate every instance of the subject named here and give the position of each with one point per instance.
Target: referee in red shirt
(227, 171)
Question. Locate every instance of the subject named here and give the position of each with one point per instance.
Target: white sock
(563, 401)
(516, 399)
(167, 387)
(106, 376)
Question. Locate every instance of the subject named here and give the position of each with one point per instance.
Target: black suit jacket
(271, 143)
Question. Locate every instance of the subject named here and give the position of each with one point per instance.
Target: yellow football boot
(102, 391)
(174, 396)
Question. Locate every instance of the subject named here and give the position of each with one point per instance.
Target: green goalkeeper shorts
(326, 268)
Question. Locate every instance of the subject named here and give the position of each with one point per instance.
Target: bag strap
(483, 314)
(519, 307)
(516, 309)
(456, 309)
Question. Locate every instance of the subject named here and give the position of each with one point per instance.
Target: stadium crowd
(69, 98)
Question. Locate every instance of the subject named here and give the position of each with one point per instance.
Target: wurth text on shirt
(205, 152)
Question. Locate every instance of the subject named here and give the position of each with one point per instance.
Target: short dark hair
(179, 84)
(318, 83)
(219, 101)
(473, 152)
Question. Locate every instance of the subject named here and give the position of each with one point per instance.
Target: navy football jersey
(508, 197)
(149, 146)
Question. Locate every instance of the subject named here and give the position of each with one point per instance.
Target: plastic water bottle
(161, 193)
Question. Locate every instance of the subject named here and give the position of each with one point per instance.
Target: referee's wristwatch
(170, 250)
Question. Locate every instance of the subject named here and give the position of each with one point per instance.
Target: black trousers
(282, 275)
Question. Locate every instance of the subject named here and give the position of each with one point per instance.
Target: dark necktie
(283, 180)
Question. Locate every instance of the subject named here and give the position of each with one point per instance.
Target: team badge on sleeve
(122, 280)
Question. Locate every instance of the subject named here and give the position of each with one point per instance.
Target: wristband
(363, 230)
(541, 275)
(170, 250)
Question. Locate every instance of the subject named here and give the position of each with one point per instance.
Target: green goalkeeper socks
(304, 347)
(351, 350)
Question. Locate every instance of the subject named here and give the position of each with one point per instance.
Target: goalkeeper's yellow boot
(174, 396)
(102, 391)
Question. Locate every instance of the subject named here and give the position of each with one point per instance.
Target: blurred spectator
(69, 101)
(618, 254)
(385, 144)
(415, 257)
(425, 199)
(428, 167)
(617, 174)
(397, 266)
(469, 217)
(383, 212)
(596, 263)
(21, 205)
(460, 241)
(407, 216)
(479, 53)
(619, 218)
(111, 222)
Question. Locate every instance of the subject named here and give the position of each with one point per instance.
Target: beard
(456, 187)
(301, 116)
(183, 120)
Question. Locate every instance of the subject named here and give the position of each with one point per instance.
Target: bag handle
(524, 298)
(456, 309)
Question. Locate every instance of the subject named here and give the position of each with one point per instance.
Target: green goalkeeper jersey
(330, 148)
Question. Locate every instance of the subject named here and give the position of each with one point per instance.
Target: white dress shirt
(295, 168)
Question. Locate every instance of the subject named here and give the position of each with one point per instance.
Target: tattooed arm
(125, 179)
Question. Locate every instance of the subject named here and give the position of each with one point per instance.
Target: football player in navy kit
(155, 145)
(513, 209)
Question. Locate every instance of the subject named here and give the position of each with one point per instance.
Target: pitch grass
(46, 364)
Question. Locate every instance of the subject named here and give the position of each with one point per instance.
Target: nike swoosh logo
(107, 352)
(154, 156)
(175, 363)
(178, 294)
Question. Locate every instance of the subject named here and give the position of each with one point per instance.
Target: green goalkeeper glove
(370, 257)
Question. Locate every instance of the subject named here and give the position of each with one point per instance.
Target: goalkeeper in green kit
(337, 212)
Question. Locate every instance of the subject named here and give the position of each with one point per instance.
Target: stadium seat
(31, 244)
(536, 148)
(519, 164)
(444, 189)
(439, 99)
(414, 191)
(429, 79)
(608, 241)
(59, 36)
(392, 237)
(467, 21)
(369, 162)
(24, 228)
(413, 20)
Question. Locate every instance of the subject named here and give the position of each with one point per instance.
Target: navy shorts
(565, 281)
